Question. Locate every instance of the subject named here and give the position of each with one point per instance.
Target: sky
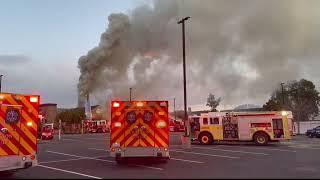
(41, 42)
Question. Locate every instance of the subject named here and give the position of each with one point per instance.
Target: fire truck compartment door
(10, 117)
(139, 128)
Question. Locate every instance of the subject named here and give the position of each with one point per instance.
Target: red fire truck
(18, 131)
(96, 126)
(176, 126)
(139, 129)
(47, 131)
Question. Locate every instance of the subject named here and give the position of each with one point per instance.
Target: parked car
(314, 132)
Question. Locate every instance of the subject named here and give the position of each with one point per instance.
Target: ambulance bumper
(140, 152)
(17, 162)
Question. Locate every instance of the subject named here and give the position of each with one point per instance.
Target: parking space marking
(215, 149)
(185, 160)
(47, 162)
(176, 159)
(303, 147)
(204, 154)
(149, 167)
(99, 149)
(72, 155)
(71, 172)
(264, 148)
(63, 139)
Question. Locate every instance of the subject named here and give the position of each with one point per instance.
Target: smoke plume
(238, 50)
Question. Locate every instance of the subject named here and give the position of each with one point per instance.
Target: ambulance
(139, 129)
(18, 131)
(259, 127)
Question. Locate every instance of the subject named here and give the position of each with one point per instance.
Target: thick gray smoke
(239, 50)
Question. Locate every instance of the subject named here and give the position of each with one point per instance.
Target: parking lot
(86, 156)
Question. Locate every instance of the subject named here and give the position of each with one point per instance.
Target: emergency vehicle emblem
(131, 117)
(12, 116)
(147, 117)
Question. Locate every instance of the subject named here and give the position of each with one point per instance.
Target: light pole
(282, 93)
(186, 119)
(130, 94)
(174, 109)
(1, 82)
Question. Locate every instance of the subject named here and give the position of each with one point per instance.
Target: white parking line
(72, 155)
(215, 149)
(264, 148)
(204, 154)
(64, 160)
(176, 159)
(303, 147)
(47, 162)
(66, 139)
(150, 167)
(191, 161)
(99, 149)
(71, 172)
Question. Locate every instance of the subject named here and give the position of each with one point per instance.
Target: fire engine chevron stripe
(7, 150)
(132, 140)
(3, 153)
(15, 140)
(26, 142)
(24, 114)
(147, 139)
(27, 104)
(164, 135)
(145, 143)
(116, 130)
(156, 142)
(163, 144)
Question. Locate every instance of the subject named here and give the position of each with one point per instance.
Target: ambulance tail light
(161, 124)
(34, 99)
(117, 124)
(116, 104)
(33, 157)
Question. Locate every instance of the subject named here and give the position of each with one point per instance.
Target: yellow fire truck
(139, 129)
(18, 131)
(260, 127)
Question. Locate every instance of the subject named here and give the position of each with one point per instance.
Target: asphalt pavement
(87, 157)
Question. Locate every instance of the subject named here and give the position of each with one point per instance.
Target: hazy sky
(41, 41)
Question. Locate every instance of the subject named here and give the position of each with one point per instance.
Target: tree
(212, 102)
(300, 97)
(72, 115)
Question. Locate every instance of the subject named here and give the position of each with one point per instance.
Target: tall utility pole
(282, 93)
(186, 119)
(130, 94)
(174, 109)
(1, 82)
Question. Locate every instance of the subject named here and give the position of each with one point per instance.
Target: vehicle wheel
(205, 138)
(260, 139)
(310, 135)
(99, 131)
(120, 160)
